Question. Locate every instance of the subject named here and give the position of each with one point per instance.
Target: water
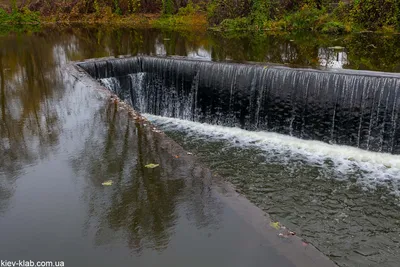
(330, 193)
(343, 200)
(59, 140)
(347, 108)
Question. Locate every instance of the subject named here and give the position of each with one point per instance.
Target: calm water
(60, 141)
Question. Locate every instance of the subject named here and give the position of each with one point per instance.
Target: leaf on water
(275, 225)
(107, 183)
(152, 166)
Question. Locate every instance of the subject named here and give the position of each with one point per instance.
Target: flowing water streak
(344, 108)
(371, 168)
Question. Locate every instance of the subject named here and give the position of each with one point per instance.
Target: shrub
(307, 18)
(333, 27)
(190, 9)
(342, 11)
(374, 14)
(237, 24)
(219, 10)
(23, 16)
(260, 12)
(168, 7)
(4, 16)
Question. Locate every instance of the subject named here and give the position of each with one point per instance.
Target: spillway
(282, 136)
(359, 109)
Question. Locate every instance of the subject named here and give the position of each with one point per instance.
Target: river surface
(59, 142)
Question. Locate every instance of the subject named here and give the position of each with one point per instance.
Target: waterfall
(111, 84)
(356, 108)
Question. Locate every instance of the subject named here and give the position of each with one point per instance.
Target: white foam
(371, 167)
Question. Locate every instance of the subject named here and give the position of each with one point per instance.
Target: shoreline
(191, 22)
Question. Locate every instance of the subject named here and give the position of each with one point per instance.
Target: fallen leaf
(275, 225)
(107, 183)
(152, 166)
(177, 157)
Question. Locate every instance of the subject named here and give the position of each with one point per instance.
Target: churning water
(305, 145)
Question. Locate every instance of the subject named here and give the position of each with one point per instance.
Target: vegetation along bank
(325, 16)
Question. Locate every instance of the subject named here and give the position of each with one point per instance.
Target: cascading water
(359, 109)
(321, 191)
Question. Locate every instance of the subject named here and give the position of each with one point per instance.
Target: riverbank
(259, 18)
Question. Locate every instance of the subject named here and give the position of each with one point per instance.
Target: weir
(359, 109)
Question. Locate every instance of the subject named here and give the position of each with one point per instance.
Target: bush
(4, 16)
(23, 16)
(219, 10)
(374, 14)
(342, 11)
(260, 12)
(307, 18)
(237, 24)
(333, 27)
(168, 7)
(190, 9)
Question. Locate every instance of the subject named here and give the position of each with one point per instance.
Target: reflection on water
(332, 58)
(361, 51)
(68, 140)
(58, 143)
(145, 202)
(29, 122)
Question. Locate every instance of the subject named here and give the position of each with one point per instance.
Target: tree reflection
(29, 125)
(143, 204)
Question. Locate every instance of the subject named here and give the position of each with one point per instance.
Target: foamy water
(369, 168)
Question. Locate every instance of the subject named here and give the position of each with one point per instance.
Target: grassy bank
(271, 16)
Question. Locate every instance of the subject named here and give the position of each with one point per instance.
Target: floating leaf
(152, 166)
(107, 183)
(275, 225)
